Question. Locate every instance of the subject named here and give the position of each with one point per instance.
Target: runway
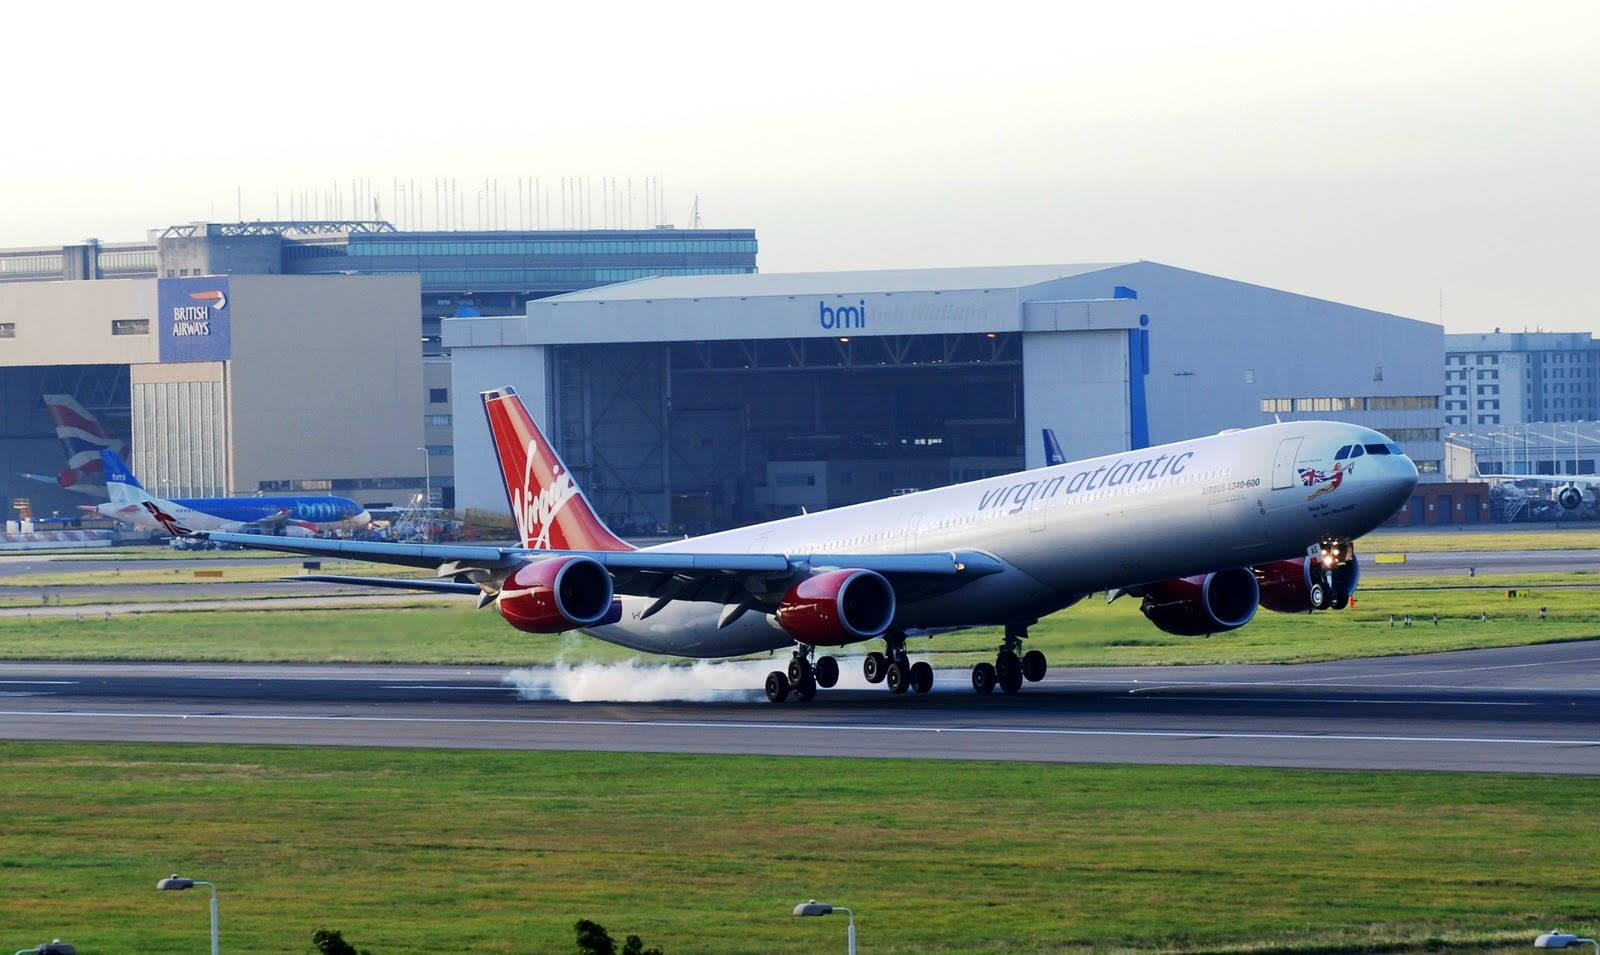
(1523, 709)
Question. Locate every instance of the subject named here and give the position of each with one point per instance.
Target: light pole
(53, 947)
(814, 907)
(1563, 940)
(174, 884)
(427, 496)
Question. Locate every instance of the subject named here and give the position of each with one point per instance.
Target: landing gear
(1008, 669)
(896, 669)
(875, 667)
(827, 670)
(777, 687)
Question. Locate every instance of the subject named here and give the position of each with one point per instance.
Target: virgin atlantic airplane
(1203, 532)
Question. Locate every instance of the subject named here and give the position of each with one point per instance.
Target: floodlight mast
(814, 907)
(175, 883)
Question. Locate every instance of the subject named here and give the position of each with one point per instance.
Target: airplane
(295, 516)
(1566, 488)
(83, 437)
(1203, 531)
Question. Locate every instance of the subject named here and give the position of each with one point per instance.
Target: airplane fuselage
(1062, 532)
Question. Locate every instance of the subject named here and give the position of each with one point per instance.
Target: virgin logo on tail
(536, 507)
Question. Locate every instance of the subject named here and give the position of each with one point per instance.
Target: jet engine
(1209, 603)
(837, 607)
(1570, 497)
(561, 593)
(1298, 586)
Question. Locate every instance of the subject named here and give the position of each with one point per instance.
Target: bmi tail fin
(1052, 448)
(550, 511)
(121, 485)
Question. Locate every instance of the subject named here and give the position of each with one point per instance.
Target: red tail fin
(550, 510)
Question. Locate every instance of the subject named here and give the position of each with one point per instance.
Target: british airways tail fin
(550, 510)
(121, 485)
(82, 437)
(1052, 448)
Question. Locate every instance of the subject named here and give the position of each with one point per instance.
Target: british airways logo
(190, 320)
(843, 316)
(538, 510)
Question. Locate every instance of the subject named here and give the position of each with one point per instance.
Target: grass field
(411, 851)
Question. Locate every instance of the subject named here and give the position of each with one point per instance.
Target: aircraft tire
(983, 678)
(805, 691)
(1339, 601)
(898, 679)
(800, 672)
(777, 687)
(921, 676)
(827, 670)
(875, 667)
(1034, 666)
(1008, 671)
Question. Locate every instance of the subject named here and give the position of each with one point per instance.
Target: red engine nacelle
(1209, 603)
(837, 607)
(1296, 586)
(558, 594)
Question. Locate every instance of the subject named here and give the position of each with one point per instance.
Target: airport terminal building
(685, 403)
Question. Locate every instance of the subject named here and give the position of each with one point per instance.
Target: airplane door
(911, 532)
(1036, 515)
(1283, 464)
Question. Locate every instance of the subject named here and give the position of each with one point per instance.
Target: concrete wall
(474, 370)
(326, 378)
(70, 323)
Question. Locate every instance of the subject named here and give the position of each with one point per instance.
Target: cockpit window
(1377, 449)
(1394, 449)
(1355, 451)
(1344, 452)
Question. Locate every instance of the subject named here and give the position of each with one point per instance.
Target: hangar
(684, 404)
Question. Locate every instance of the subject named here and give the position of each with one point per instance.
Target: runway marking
(816, 727)
(38, 682)
(477, 689)
(1305, 699)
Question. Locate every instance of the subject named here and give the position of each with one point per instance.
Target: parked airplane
(83, 437)
(1203, 531)
(1052, 449)
(1567, 489)
(292, 516)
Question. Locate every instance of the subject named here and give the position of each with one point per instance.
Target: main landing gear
(803, 676)
(1008, 669)
(896, 669)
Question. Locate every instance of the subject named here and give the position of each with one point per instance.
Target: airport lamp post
(1563, 940)
(174, 884)
(427, 495)
(53, 947)
(814, 907)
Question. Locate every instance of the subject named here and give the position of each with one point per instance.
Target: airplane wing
(664, 575)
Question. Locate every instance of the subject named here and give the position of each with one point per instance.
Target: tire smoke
(737, 681)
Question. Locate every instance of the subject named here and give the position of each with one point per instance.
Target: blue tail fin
(1052, 448)
(117, 471)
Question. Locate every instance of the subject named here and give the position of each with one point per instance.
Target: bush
(594, 940)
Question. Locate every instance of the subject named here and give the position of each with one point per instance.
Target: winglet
(550, 510)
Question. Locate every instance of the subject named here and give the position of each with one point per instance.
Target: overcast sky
(1425, 159)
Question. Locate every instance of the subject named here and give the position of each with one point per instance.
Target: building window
(1276, 405)
(8, 329)
(438, 396)
(1427, 467)
(436, 420)
(130, 326)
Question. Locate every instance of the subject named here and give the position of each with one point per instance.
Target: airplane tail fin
(550, 511)
(1052, 448)
(121, 485)
(82, 437)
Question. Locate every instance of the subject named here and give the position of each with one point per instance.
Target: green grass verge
(412, 851)
(1584, 537)
(1089, 634)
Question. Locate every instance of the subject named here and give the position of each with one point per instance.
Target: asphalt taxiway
(1522, 709)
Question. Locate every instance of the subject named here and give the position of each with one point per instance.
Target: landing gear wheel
(827, 670)
(1008, 671)
(1339, 601)
(1034, 666)
(899, 680)
(805, 691)
(921, 676)
(777, 687)
(874, 667)
(1319, 597)
(983, 678)
(800, 671)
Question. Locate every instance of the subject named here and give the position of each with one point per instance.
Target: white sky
(1384, 154)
